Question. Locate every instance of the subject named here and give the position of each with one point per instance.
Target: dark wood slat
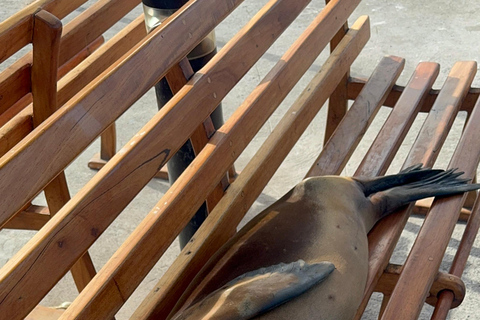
(426, 255)
(341, 145)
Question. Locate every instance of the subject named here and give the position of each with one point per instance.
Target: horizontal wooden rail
(355, 85)
(222, 221)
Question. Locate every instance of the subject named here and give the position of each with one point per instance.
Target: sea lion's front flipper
(258, 291)
(441, 184)
(408, 175)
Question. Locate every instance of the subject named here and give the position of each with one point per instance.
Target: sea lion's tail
(428, 183)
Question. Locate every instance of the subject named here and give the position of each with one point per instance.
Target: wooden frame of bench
(67, 236)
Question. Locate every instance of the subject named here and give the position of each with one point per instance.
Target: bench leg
(46, 46)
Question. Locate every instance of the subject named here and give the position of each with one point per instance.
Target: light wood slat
(14, 110)
(395, 128)
(97, 106)
(91, 23)
(34, 218)
(44, 313)
(384, 236)
(222, 221)
(14, 131)
(14, 83)
(101, 59)
(121, 179)
(162, 223)
(427, 252)
(79, 57)
(16, 31)
(466, 244)
(348, 134)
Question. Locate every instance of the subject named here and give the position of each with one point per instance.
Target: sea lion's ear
(258, 291)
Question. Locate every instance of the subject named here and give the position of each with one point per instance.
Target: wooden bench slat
(427, 252)
(445, 299)
(138, 162)
(86, 116)
(14, 131)
(384, 236)
(14, 83)
(34, 218)
(91, 24)
(353, 126)
(222, 221)
(172, 213)
(16, 31)
(395, 128)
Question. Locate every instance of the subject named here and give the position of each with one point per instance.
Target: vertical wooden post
(338, 101)
(47, 31)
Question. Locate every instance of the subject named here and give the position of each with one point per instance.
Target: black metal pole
(156, 11)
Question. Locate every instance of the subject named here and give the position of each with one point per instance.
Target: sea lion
(323, 221)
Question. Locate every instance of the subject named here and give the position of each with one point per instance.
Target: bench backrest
(34, 162)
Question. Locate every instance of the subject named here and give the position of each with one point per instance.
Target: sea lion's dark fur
(321, 219)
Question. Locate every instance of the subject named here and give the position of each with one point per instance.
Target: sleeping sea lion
(309, 248)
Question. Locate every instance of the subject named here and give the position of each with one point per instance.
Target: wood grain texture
(355, 85)
(338, 101)
(388, 140)
(427, 252)
(79, 57)
(91, 24)
(223, 220)
(384, 236)
(120, 180)
(15, 109)
(16, 31)
(218, 73)
(15, 82)
(97, 106)
(46, 46)
(34, 218)
(15, 130)
(351, 129)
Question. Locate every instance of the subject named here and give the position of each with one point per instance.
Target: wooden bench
(34, 162)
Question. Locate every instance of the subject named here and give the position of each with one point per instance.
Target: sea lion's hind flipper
(441, 184)
(408, 175)
(256, 292)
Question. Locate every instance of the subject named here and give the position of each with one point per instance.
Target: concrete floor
(441, 31)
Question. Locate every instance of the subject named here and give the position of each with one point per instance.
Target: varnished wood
(15, 109)
(338, 101)
(123, 178)
(94, 98)
(355, 85)
(15, 130)
(15, 83)
(423, 206)
(222, 221)
(46, 45)
(79, 57)
(16, 31)
(389, 139)
(341, 145)
(426, 255)
(34, 218)
(442, 281)
(384, 236)
(171, 213)
(44, 313)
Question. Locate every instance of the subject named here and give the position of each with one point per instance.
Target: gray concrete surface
(442, 31)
